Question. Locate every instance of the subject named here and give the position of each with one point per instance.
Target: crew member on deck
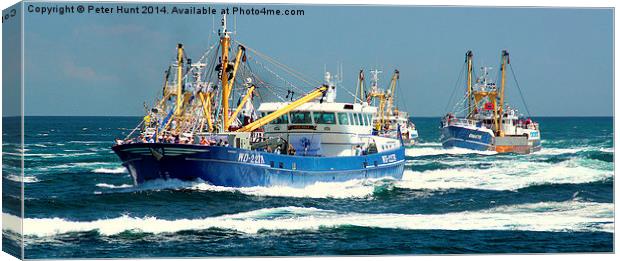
(290, 150)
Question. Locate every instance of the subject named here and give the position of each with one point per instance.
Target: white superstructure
(340, 127)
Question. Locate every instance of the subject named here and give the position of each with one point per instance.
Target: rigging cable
(293, 72)
(455, 87)
(288, 69)
(520, 93)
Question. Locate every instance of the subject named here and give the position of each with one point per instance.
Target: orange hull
(516, 149)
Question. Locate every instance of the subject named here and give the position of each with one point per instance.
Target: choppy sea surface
(80, 201)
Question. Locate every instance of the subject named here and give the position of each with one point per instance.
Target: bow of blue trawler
(234, 167)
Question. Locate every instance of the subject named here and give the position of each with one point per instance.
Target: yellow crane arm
(390, 104)
(229, 85)
(293, 105)
(247, 96)
(236, 66)
(205, 100)
(381, 111)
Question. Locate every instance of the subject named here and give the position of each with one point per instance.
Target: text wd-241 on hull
(193, 132)
(489, 124)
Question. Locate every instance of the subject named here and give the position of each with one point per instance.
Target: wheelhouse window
(353, 119)
(281, 120)
(343, 119)
(324, 117)
(301, 117)
(363, 115)
(359, 119)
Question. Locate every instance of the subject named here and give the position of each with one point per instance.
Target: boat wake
(434, 149)
(349, 189)
(507, 175)
(559, 151)
(553, 216)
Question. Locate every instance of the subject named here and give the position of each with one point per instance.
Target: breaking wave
(118, 170)
(25, 179)
(553, 216)
(112, 186)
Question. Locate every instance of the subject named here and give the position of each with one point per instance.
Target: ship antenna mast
(225, 46)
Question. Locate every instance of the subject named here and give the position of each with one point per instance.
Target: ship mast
(225, 46)
(505, 61)
(376, 92)
(469, 56)
(391, 95)
(360, 87)
(179, 100)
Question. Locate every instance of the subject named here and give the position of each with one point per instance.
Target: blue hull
(461, 137)
(233, 167)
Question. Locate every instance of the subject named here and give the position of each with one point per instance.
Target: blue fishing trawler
(488, 123)
(193, 132)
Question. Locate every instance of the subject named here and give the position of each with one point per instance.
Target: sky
(11, 61)
(108, 65)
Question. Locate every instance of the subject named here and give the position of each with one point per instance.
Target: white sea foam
(558, 151)
(79, 165)
(432, 149)
(12, 154)
(90, 142)
(26, 179)
(118, 170)
(428, 144)
(347, 189)
(101, 167)
(112, 186)
(509, 175)
(546, 216)
(59, 155)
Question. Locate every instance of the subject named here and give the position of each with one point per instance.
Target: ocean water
(80, 202)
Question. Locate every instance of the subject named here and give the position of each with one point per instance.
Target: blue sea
(81, 203)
